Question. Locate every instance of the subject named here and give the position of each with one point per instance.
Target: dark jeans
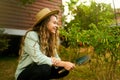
(41, 72)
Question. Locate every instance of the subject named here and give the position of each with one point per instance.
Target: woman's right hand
(68, 65)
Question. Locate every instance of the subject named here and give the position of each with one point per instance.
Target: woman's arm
(32, 47)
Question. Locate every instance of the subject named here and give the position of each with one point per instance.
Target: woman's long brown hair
(48, 41)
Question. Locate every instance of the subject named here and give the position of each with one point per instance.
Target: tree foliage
(97, 14)
(92, 26)
(100, 14)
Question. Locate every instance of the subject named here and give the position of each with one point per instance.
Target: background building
(16, 18)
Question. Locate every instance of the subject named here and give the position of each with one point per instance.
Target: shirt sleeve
(56, 55)
(32, 47)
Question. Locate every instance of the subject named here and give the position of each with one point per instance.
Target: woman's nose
(56, 26)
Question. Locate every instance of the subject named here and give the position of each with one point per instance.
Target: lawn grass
(83, 72)
(92, 70)
(7, 67)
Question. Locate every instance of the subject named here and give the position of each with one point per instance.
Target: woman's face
(53, 24)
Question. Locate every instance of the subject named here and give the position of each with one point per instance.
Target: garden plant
(91, 27)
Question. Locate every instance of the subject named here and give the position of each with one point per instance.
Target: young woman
(39, 59)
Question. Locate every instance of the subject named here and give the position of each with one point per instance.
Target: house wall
(14, 16)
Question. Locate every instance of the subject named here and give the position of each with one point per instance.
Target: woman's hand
(69, 66)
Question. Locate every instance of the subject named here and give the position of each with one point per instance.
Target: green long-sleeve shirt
(32, 53)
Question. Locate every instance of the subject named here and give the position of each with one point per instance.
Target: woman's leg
(55, 72)
(36, 72)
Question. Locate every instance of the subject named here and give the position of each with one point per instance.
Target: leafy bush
(92, 28)
(106, 45)
(3, 40)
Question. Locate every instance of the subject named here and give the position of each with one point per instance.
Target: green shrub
(3, 40)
